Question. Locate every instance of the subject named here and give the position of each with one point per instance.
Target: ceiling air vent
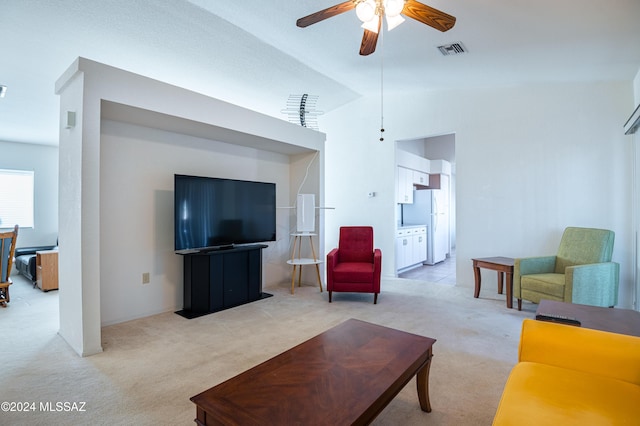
(452, 49)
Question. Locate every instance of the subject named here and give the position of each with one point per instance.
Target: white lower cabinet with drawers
(411, 246)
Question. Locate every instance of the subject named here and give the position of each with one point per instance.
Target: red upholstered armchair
(355, 265)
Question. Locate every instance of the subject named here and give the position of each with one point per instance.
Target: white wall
(43, 160)
(136, 209)
(636, 189)
(530, 161)
(357, 163)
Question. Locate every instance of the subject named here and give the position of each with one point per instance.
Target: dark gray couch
(26, 260)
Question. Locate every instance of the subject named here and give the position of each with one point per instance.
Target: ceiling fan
(372, 11)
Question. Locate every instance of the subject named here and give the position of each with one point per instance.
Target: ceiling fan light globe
(366, 10)
(371, 25)
(393, 7)
(394, 21)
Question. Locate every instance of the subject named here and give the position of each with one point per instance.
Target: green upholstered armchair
(581, 272)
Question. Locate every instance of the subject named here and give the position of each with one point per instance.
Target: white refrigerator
(431, 207)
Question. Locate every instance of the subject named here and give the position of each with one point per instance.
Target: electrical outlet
(145, 278)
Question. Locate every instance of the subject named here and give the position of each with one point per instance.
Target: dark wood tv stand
(220, 279)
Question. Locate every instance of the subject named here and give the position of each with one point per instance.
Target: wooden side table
(47, 270)
(298, 262)
(504, 265)
(613, 320)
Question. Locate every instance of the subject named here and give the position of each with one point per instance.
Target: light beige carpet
(151, 367)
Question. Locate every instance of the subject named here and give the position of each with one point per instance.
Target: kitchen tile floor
(441, 273)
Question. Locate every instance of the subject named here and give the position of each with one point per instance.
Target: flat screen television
(214, 213)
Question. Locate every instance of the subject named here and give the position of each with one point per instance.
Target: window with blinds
(16, 198)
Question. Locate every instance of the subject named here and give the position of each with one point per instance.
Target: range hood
(633, 123)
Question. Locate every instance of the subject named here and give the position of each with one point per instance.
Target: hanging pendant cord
(381, 83)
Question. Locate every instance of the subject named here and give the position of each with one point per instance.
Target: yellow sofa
(570, 375)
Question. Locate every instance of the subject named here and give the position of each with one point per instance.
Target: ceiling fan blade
(428, 15)
(369, 41)
(326, 13)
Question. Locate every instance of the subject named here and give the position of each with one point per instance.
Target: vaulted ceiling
(251, 53)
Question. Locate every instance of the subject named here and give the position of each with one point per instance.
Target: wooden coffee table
(504, 265)
(346, 375)
(621, 321)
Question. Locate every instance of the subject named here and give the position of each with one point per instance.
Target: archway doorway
(439, 269)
